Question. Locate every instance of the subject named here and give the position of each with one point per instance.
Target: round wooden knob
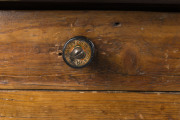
(78, 52)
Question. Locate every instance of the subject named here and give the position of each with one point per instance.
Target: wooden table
(135, 74)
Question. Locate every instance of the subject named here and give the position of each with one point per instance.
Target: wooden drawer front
(134, 50)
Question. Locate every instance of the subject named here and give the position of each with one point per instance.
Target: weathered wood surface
(134, 50)
(54, 105)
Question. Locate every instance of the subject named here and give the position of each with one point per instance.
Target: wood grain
(134, 50)
(54, 105)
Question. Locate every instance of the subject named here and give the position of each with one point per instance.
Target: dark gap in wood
(15, 5)
(94, 91)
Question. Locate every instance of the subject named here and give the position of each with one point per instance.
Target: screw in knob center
(77, 53)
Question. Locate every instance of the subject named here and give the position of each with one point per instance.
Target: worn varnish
(38, 105)
(134, 50)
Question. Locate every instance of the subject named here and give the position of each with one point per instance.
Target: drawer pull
(78, 52)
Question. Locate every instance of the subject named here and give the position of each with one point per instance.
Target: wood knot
(130, 60)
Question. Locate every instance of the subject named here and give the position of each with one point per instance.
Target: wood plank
(134, 50)
(48, 105)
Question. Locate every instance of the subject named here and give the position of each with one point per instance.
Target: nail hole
(60, 53)
(116, 24)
